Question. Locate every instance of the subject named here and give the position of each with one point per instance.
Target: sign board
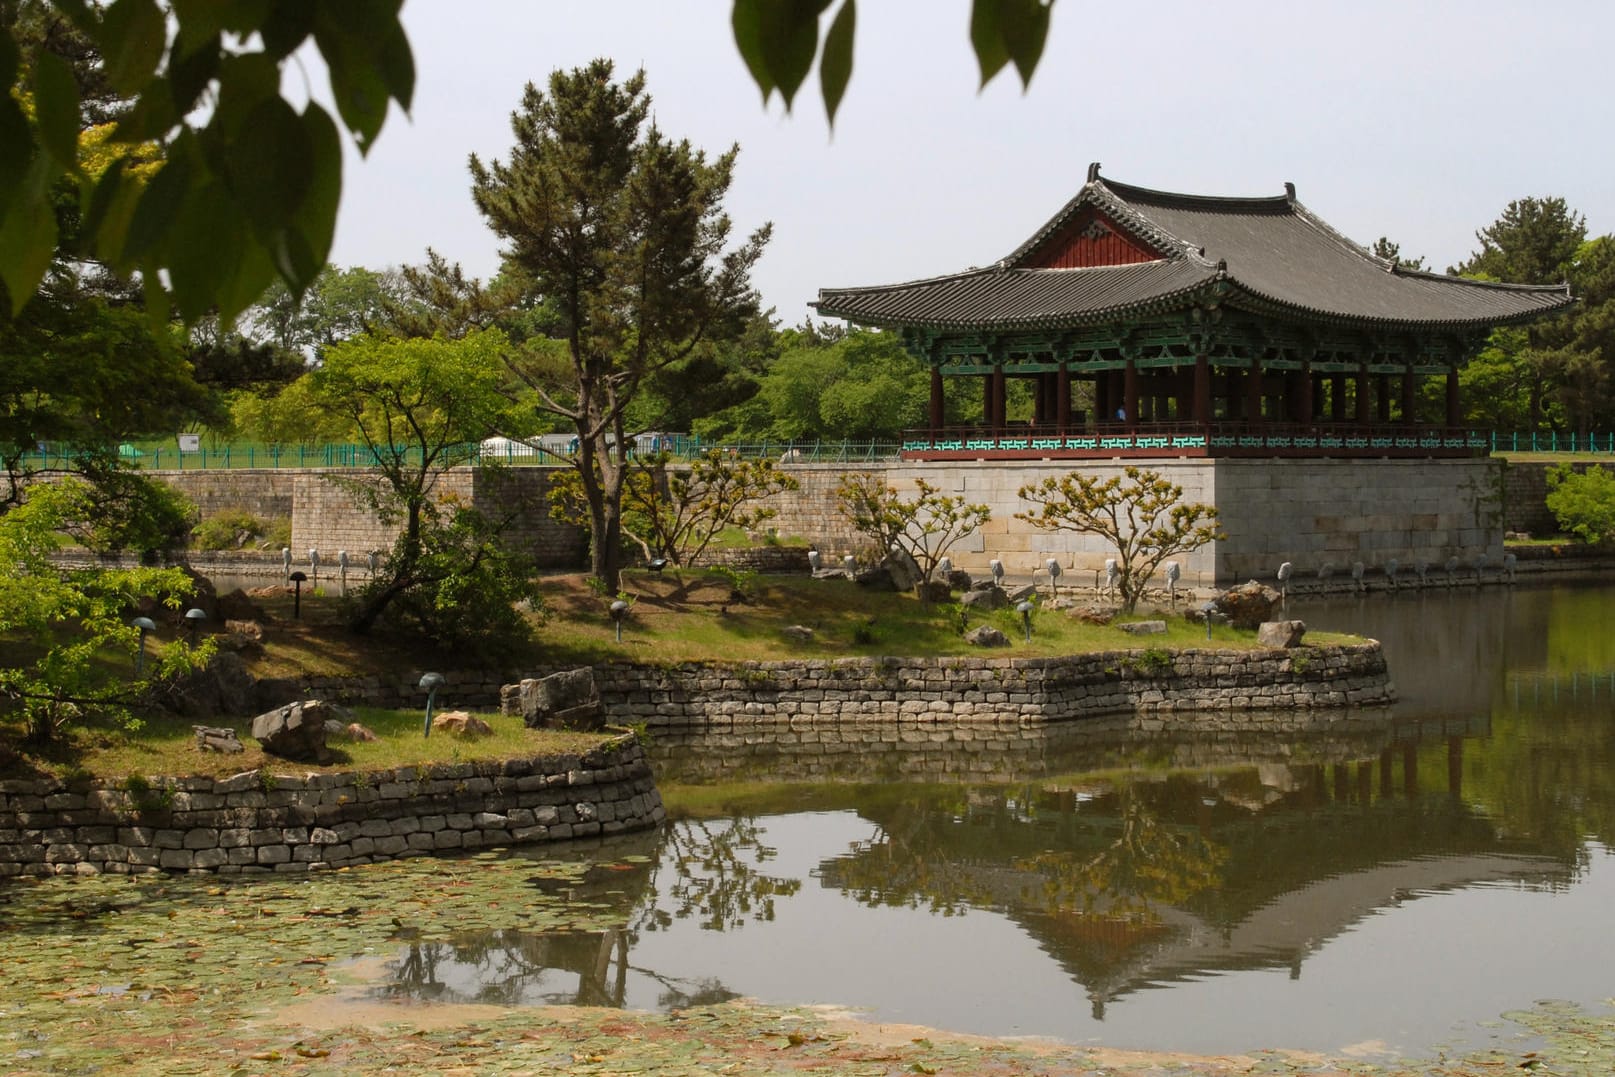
(190, 443)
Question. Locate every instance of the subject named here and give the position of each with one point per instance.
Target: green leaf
(9, 59)
(269, 166)
(987, 38)
(16, 146)
(159, 205)
(204, 242)
(28, 233)
(56, 98)
(746, 21)
(152, 117)
(288, 26)
(835, 66)
(397, 65)
(102, 197)
(245, 81)
(190, 71)
(315, 220)
(1025, 26)
(132, 37)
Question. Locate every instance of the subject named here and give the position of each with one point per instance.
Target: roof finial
(1289, 190)
(1093, 172)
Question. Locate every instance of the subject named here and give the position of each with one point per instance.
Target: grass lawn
(674, 618)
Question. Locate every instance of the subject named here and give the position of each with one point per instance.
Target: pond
(1395, 886)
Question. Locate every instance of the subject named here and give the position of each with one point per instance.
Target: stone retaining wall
(1148, 682)
(259, 822)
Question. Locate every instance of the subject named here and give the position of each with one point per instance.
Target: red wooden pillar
(1455, 413)
(936, 399)
(998, 398)
(1382, 397)
(1303, 406)
(1062, 398)
(1410, 401)
(1362, 394)
(987, 401)
(1253, 393)
(1202, 389)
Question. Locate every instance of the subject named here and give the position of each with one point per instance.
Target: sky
(1419, 120)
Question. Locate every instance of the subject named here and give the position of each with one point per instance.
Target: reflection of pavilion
(1133, 885)
(1148, 323)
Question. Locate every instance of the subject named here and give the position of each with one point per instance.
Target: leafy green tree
(1583, 502)
(419, 407)
(338, 305)
(62, 627)
(620, 233)
(1534, 241)
(1392, 252)
(1140, 514)
(676, 512)
(924, 527)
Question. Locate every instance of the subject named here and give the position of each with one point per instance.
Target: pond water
(1396, 886)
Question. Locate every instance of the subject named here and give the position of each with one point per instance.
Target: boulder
(797, 633)
(237, 606)
(1247, 606)
(959, 580)
(1021, 593)
(295, 731)
(878, 578)
(988, 596)
(337, 729)
(986, 636)
(1144, 628)
(569, 699)
(460, 724)
(1094, 615)
(935, 591)
(1282, 634)
(222, 687)
(904, 572)
(251, 631)
(217, 739)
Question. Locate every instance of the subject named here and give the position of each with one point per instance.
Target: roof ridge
(1098, 194)
(973, 271)
(1208, 200)
(1497, 285)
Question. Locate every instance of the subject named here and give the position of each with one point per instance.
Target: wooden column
(1202, 389)
(1303, 409)
(1362, 394)
(1253, 393)
(936, 399)
(1410, 401)
(1382, 397)
(1337, 397)
(1102, 407)
(1062, 398)
(987, 401)
(998, 398)
(1455, 413)
(1130, 394)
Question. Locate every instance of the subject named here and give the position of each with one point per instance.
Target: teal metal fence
(165, 455)
(1552, 442)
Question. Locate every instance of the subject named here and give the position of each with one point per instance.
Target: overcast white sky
(1416, 119)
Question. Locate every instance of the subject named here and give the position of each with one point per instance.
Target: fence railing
(1550, 441)
(164, 455)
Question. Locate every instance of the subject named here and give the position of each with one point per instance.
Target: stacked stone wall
(257, 822)
(1153, 683)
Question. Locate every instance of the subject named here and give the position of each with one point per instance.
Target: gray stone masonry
(314, 822)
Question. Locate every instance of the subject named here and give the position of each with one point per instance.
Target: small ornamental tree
(1583, 502)
(1142, 516)
(677, 512)
(924, 527)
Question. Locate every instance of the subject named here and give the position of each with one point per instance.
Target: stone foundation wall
(1152, 683)
(257, 822)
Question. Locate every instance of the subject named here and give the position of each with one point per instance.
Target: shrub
(221, 530)
(1583, 502)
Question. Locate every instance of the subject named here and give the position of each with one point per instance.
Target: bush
(1583, 502)
(221, 530)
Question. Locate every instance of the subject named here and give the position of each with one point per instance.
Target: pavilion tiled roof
(1271, 255)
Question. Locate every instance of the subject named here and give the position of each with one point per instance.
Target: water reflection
(1387, 879)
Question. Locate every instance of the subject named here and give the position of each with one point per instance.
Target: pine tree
(620, 233)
